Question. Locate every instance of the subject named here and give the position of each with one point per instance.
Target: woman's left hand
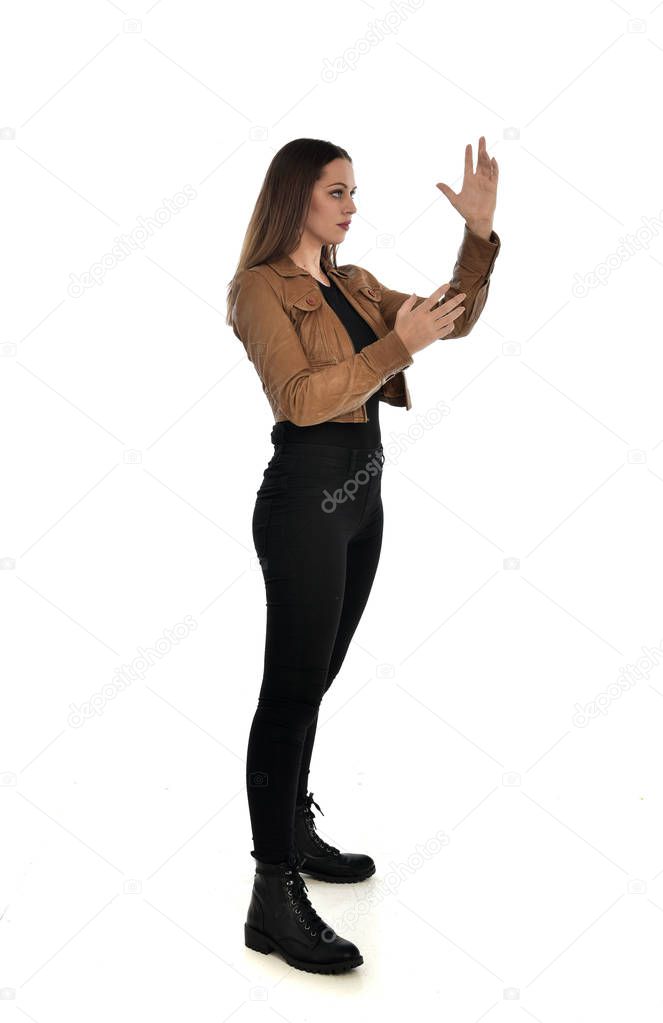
(476, 200)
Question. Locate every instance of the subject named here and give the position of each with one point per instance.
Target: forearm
(305, 394)
(471, 275)
(482, 228)
(311, 397)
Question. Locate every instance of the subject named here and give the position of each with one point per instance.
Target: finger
(442, 307)
(449, 315)
(436, 296)
(468, 158)
(456, 300)
(483, 159)
(448, 192)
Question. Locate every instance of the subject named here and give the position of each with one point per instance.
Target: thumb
(451, 196)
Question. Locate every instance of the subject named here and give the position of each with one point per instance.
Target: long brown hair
(282, 205)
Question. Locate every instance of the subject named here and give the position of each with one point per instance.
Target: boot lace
(309, 819)
(296, 890)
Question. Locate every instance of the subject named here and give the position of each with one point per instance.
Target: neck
(307, 256)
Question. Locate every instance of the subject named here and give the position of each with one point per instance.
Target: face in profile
(332, 205)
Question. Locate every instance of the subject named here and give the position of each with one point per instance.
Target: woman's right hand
(418, 328)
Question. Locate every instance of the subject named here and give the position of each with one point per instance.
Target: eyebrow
(339, 183)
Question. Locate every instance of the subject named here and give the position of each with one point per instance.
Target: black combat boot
(321, 861)
(281, 918)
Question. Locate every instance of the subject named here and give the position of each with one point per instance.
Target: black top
(350, 435)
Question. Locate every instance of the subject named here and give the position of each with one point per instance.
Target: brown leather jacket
(305, 358)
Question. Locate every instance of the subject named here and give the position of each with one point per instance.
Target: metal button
(310, 300)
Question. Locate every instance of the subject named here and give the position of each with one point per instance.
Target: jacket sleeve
(306, 395)
(474, 265)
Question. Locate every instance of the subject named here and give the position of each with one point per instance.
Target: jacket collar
(286, 267)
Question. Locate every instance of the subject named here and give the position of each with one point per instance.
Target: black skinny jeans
(317, 530)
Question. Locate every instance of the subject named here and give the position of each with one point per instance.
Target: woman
(329, 343)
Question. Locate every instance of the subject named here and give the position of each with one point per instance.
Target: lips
(346, 224)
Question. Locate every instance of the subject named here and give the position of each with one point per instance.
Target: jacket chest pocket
(369, 299)
(308, 317)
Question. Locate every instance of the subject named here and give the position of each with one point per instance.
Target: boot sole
(335, 880)
(260, 942)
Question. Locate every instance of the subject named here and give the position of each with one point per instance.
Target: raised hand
(477, 198)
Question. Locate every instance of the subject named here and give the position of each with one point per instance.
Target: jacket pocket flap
(374, 294)
(311, 300)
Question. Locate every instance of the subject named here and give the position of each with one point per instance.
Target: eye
(339, 191)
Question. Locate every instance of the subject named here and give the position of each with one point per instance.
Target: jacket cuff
(387, 356)
(478, 254)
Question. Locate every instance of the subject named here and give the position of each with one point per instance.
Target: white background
(134, 436)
